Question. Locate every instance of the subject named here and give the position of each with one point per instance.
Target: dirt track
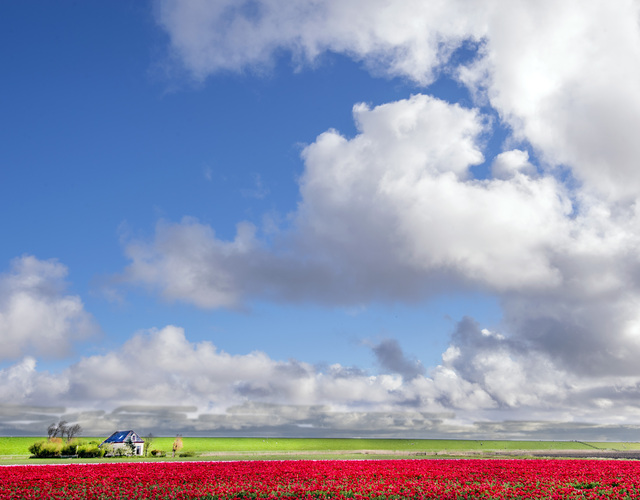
(604, 454)
(621, 455)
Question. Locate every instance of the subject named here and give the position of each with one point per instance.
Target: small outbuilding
(126, 440)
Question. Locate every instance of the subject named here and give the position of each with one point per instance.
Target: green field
(13, 448)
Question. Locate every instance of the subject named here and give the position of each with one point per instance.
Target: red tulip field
(367, 479)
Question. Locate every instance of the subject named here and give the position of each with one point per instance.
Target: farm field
(12, 448)
(362, 479)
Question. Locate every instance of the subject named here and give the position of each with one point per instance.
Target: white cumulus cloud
(562, 76)
(408, 38)
(36, 316)
(395, 213)
(391, 213)
(483, 381)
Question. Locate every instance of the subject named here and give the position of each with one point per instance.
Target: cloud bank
(197, 389)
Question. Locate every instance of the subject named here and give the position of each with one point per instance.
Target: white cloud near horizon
(194, 387)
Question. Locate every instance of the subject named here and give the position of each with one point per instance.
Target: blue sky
(270, 217)
(104, 145)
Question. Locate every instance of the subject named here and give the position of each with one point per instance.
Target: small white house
(124, 440)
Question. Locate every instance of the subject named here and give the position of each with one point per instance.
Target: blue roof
(122, 436)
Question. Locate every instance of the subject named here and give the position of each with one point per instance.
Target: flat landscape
(231, 468)
(16, 449)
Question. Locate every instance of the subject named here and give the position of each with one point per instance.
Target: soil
(604, 454)
(621, 455)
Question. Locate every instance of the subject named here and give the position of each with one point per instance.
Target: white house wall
(139, 447)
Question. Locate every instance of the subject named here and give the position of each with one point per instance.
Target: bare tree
(73, 431)
(52, 431)
(57, 430)
(61, 429)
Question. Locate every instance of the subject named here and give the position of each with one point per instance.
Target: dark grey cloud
(339, 371)
(390, 356)
(255, 391)
(25, 420)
